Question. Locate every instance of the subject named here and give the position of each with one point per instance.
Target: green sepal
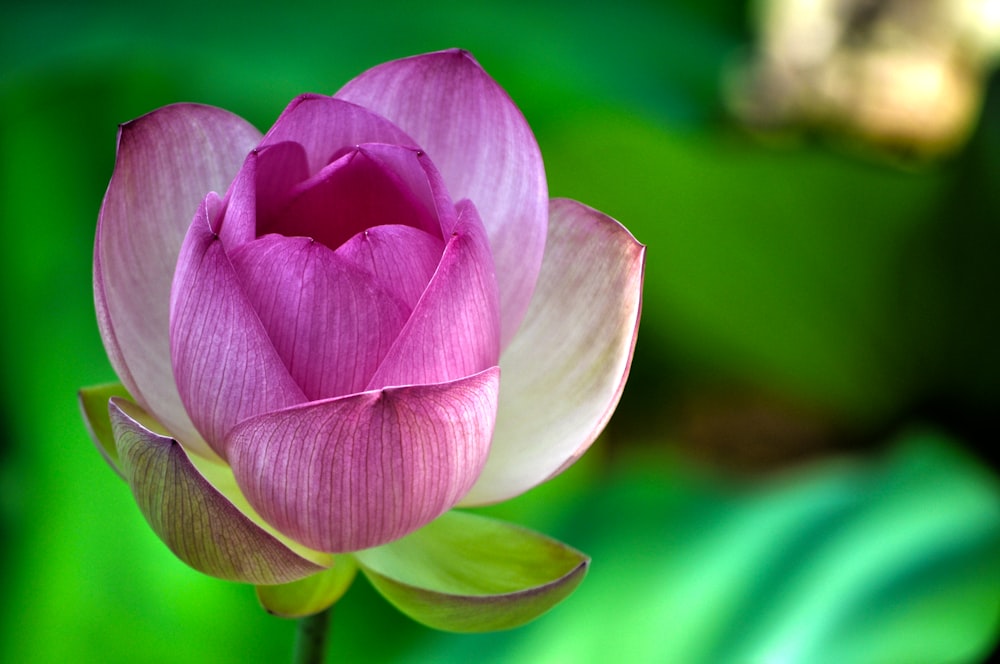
(468, 573)
(203, 527)
(312, 594)
(94, 408)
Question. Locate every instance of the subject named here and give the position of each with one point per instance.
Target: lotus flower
(382, 317)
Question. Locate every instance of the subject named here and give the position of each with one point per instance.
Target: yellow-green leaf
(467, 573)
(312, 594)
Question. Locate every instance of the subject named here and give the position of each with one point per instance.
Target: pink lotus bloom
(382, 317)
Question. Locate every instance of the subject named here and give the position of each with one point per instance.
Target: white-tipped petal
(167, 161)
(565, 370)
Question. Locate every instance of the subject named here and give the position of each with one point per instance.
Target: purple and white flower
(330, 335)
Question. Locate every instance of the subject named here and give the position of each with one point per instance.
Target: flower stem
(310, 640)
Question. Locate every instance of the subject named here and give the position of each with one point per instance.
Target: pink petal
(417, 175)
(355, 472)
(226, 367)
(260, 189)
(357, 191)
(564, 372)
(401, 258)
(324, 126)
(167, 161)
(329, 320)
(199, 524)
(454, 329)
(485, 150)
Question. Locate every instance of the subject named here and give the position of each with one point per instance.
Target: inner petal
(358, 190)
(260, 189)
(329, 320)
(454, 330)
(402, 258)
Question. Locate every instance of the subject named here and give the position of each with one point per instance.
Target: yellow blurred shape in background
(906, 75)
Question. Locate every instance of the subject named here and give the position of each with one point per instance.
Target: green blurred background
(804, 464)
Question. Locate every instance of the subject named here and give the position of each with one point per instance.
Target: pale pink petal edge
(564, 373)
(167, 161)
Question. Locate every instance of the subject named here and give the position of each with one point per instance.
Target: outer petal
(226, 366)
(485, 150)
(198, 523)
(324, 126)
(565, 371)
(454, 329)
(355, 472)
(167, 161)
(467, 573)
